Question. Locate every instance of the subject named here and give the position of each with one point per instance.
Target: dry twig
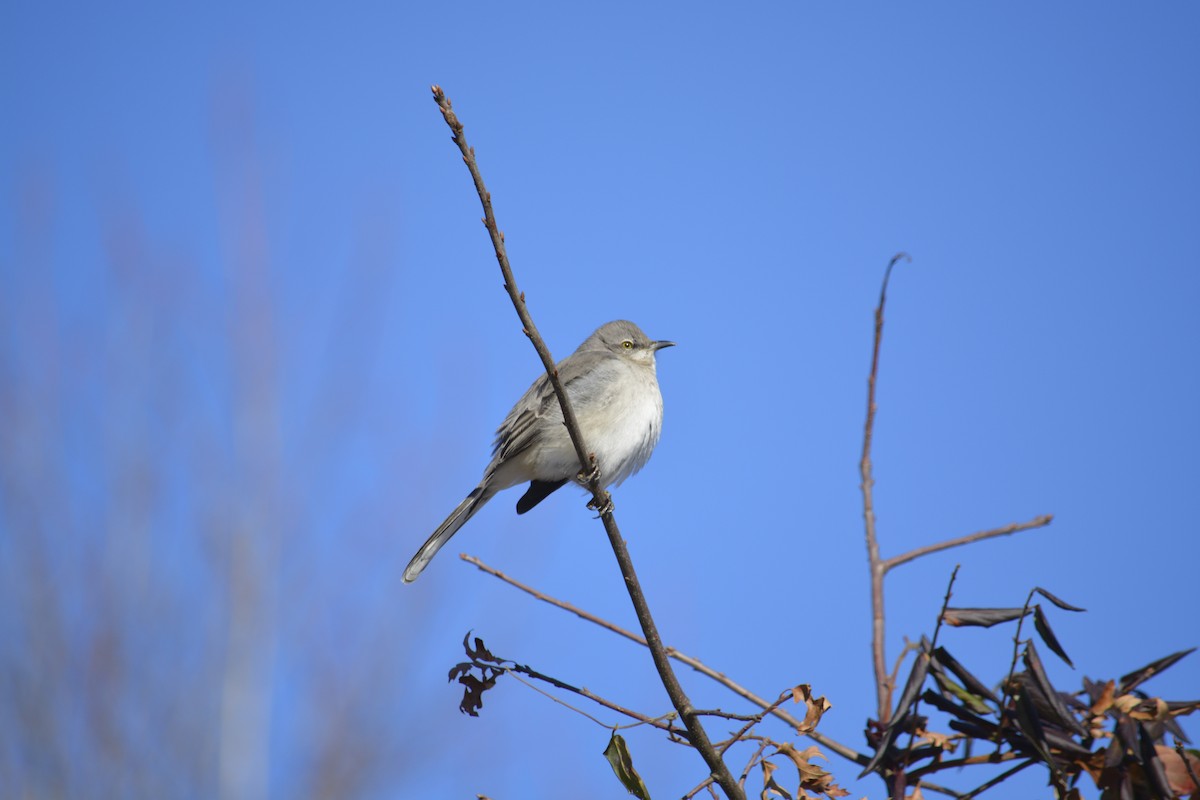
(695, 663)
(1037, 522)
(883, 687)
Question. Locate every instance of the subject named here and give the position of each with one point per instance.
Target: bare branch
(737, 737)
(908, 648)
(679, 699)
(935, 787)
(716, 712)
(821, 739)
(754, 759)
(955, 763)
(1012, 668)
(1016, 527)
(883, 687)
(1003, 776)
(642, 719)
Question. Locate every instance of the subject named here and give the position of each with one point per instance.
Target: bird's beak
(659, 345)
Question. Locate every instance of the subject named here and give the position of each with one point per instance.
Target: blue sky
(253, 331)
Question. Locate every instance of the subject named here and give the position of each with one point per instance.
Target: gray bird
(613, 389)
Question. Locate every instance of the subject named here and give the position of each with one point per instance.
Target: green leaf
(618, 756)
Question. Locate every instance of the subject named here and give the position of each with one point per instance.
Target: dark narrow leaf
(1121, 788)
(1140, 676)
(1153, 765)
(1173, 726)
(1179, 707)
(972, 730)
(1063, 604)
(1058, 711)
(1066, 744)
(1031, 727)
(885, 745)
(618, 757)
(946, 706)
(1043, 629)
(1126, 736)
(912, 689)
(980, 617)
(972, 684)
(1115, 753)
(950, 689)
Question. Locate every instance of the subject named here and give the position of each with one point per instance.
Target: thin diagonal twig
(821, 739)
(908, 648)
(517, 671)
(1003, 776)
(679, 698)
(737, 737)
(937, 628)
(1037, 522)
(1187, 764)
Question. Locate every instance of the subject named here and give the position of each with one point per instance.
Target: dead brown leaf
(812, 777)
(1177, 775)
(816, 707)
(941, 741)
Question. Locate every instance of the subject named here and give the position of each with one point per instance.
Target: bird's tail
(458, 517)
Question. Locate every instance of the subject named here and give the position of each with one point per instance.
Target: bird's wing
(521, 428)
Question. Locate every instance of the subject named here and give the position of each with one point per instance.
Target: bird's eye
(628, 345)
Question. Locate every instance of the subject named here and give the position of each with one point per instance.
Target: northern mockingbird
(611, 382)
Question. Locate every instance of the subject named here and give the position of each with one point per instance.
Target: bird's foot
(587, 476)
(605, 508)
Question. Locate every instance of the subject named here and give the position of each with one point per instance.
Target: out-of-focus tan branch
(883, 687)
(1016, 527)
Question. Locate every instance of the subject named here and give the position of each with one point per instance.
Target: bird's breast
(622, 424)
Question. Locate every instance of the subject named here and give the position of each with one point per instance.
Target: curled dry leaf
(941, 741)
(1105, 701)
(1126, 703)
(812, 777)
(770, 787)
(1153, 709)
(981, 617)
(816, 707)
